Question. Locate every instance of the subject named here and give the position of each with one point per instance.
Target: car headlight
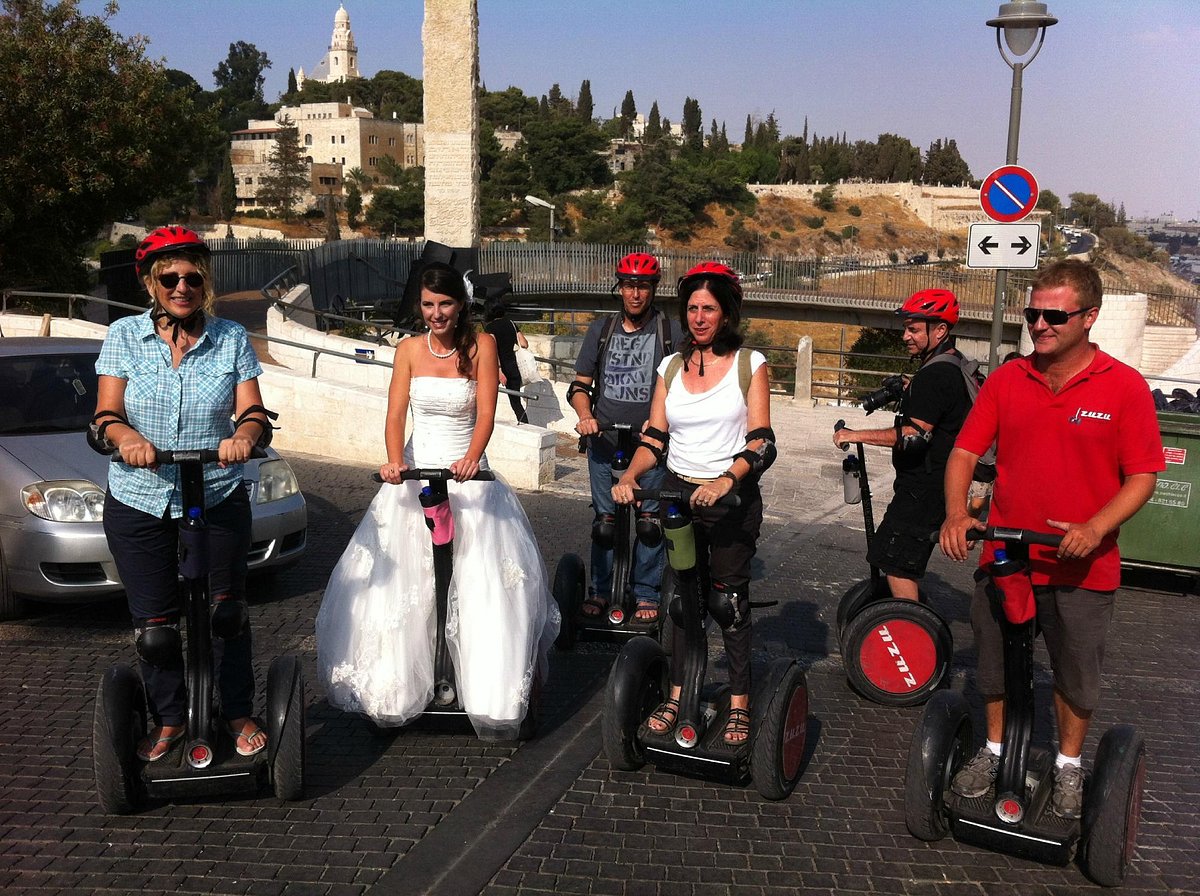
(275, 481)
(65, 501)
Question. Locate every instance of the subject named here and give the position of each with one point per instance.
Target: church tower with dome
(341, 62)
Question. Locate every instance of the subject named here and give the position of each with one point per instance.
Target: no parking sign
(1008, 194)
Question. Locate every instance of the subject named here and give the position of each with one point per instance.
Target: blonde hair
(150, 280)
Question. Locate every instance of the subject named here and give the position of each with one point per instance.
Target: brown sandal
(665, 715)
(594, 606)
(737, 727)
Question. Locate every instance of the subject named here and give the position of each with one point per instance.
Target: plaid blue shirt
(184, 408)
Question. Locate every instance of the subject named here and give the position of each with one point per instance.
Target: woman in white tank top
(707, 398)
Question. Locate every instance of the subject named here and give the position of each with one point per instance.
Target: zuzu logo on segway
(206, 765)
(1015, 815)
(896, 652)
(621, 531)
(772, 756)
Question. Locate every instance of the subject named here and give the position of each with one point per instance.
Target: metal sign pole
(1014, 134)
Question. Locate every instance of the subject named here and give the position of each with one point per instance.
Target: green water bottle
(681, 540)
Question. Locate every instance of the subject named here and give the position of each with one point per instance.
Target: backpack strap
(672, 370)
(745, 375)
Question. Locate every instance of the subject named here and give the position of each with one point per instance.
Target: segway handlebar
(681, 494)
(840, 425)
(198, 455)
(437, 474)
(1013, 536)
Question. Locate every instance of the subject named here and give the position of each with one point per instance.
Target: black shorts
(902, 546)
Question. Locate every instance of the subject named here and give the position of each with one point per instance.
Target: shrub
(775, 235)
(854, 211)
(893, 257)
(816, 222)
(888, 228)
(824, 199)
(849, 231)
(833, 235)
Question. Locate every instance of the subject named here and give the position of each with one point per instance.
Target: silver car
(52, 483)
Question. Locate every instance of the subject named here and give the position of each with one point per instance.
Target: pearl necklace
(429, 343)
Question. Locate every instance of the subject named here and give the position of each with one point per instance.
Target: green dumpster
(1165, 533)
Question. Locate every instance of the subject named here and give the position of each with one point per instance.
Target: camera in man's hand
(891, 390)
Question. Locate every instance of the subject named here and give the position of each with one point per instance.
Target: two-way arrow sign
(1003, 246)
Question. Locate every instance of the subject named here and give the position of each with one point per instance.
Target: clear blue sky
(1110, 104)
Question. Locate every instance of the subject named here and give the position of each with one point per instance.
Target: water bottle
(1011, 578)
(193, 545)
(681, 540)
(620, 461)
(438, 519)
(852, 479)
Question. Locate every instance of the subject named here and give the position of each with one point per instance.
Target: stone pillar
(804, 371)
(450, 37)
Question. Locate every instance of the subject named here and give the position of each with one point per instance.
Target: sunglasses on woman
(1054, 317)
(170, 281)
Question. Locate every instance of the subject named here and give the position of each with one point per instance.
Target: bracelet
(731, 478)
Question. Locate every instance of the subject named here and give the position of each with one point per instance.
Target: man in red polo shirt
(1078, 450)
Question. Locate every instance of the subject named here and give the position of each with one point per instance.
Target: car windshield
(47, 393)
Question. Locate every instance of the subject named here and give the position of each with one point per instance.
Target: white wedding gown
(376, 625)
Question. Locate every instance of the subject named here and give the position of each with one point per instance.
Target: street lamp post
(1023, 22)
(542, 203)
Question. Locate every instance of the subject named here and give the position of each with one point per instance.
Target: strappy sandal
(594, 606)
(241, 733)
(148, 752)
(737, 727)
(665, 715)
(647, 612)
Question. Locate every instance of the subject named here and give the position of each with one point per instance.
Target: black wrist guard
(264, 421)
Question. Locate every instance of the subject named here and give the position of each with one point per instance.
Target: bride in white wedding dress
(376, 625)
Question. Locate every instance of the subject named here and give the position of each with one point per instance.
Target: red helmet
(936, 305)
(639, 266)
(166, 241)
(707, 269)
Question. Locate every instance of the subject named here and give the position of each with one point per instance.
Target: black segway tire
(1113, 806)
(570, 586)
(118, 721)
(781, 731)
(635, 687)
(897, 652)
(940, 745)
(858, 596)
(285, 727)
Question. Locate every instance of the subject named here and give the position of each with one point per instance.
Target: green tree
(602, 221)
(693, 124)
(628, 113)
(93, 130)
(559, 104)
(226, 203)
(584, 107)
(654, 130)
(291, 88)
(399, 210)
(944, 165)
(354, 204)
(1091, 211)
(502, 191)
(288, 178)
(863, 354)
(563, 154)
(508, 108)
(239, 79)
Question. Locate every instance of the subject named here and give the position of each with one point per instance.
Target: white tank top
(707, 429)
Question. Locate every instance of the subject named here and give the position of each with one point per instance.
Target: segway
(1015, 815)
(639, 680)
(446, 706)
(618, 622)
(201, 764)
(896, 652)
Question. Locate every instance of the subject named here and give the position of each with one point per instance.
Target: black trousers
(146, 551)
(726, 541)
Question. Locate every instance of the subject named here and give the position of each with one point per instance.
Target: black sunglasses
(193, 279)
(1054, 317)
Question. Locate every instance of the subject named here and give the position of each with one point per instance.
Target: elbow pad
(268, 430)
(760, 458)
(97, 439)
(915, 444)
(577, 387)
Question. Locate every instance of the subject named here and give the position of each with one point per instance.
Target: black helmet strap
(192, 324)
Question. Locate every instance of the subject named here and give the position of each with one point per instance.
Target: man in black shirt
(933, 406)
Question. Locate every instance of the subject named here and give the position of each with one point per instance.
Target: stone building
(340, 62)
(335, 137)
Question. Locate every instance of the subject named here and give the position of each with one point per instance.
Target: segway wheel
(570, 585)
(897, 652)
(865, 592)
(781, 732)
(635, 687)
(118, 721)
(1113, 806)
(940, 745)
(285, 726)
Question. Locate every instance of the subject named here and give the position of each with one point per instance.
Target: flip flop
(239, 734)
(648, 607)
(147, 754)
(593, 606)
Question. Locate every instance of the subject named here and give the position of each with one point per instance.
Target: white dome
(342, 15)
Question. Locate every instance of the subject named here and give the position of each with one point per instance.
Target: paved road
(429, 811)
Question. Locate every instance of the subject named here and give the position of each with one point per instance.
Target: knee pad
(230, 616)
(158, 642)
(604, 529)
(731, 609)
(649, 529)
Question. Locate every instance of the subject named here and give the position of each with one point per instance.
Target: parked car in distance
(52, 484)
(919, 258)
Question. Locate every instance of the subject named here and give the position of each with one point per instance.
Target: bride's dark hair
(444, 280)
